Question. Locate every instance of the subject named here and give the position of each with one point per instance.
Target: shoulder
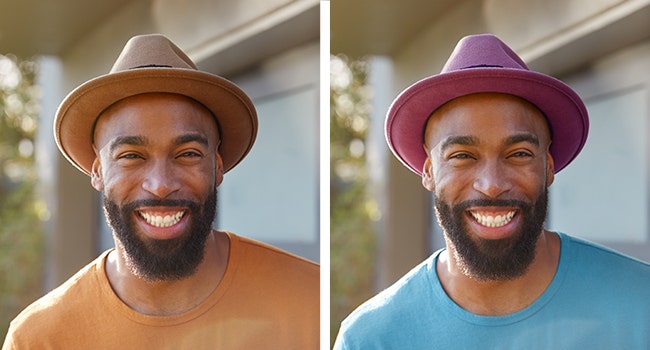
(259, 251)
(592, 264)
(273, 281)
(398, 306)
(62, 304)
(271, 262)
(598, 256)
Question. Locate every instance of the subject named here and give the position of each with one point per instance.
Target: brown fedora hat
(152, 63)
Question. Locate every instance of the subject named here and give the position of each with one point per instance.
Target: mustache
(492, 203)
(193, 206)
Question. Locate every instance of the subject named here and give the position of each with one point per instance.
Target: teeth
(162, 221)
(493, 221)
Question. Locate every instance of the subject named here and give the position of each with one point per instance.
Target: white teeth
(493, 221)
(162, 221)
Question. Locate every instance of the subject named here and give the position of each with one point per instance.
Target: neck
(165, 298)
(497, 298)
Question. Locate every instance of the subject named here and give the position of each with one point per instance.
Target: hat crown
(482, 51)
(151, 51)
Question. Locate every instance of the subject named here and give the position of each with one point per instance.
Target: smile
(162, 220)
(493, 220)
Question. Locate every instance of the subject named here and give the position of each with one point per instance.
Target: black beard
(494, 260)
(162, 260)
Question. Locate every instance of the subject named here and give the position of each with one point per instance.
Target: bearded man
(156, 137)
(487, 135)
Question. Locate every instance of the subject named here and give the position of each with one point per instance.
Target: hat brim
(563, 108)
(233, 110)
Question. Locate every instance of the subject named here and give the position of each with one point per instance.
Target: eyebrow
(459, 140)
(191, 138)
(142, 141)
(127, 140)
(474, 141)
(524, 137)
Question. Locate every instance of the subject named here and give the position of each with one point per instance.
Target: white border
(324, 175)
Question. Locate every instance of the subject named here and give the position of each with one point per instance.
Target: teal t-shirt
(598, 299)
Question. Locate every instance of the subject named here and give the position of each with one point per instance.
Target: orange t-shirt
(268, 299)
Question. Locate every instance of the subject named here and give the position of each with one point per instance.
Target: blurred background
(382, 220)
(51, 221)
(22, 209)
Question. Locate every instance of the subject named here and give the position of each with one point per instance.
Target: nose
(492, 180)
(160, 179)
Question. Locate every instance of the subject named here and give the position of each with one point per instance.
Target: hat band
(483, 66)
(151, 66)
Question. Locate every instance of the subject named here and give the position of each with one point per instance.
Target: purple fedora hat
(483, 63)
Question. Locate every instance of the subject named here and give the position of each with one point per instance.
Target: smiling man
(487, 136)
(489, 160)
(156, 137)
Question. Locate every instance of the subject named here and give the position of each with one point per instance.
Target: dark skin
(492, 146)
(138, 157)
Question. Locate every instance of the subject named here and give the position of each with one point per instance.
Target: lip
(506, 221)
(161, 229)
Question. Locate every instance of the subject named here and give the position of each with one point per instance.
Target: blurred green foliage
(352, 238)
(21, 212)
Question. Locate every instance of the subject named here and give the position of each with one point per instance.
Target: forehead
(157, 116)
(486, 115)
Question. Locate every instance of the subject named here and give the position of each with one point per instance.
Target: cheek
(530, 183)
(209, 180)
(117, 186)
(118, 183)
(450, 184)
(457, 185)
(194, 182)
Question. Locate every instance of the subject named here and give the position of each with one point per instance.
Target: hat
(152, 63)
(483, 63)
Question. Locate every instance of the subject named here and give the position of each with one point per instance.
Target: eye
(461, 156)
(129, 156)
(522, 154)
(190, 154)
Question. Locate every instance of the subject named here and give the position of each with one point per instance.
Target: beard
(162, 260)
(493, 260)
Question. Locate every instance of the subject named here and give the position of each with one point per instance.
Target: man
(487, 135)
(156, 137)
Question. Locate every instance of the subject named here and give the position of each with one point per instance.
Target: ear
(427, 175)
(219, 170)
(550, 166)
(96, 175)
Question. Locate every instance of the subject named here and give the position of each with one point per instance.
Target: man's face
(158, 169)
(489, 169)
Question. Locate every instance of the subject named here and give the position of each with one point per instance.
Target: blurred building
(269, 48)
(600, 48)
